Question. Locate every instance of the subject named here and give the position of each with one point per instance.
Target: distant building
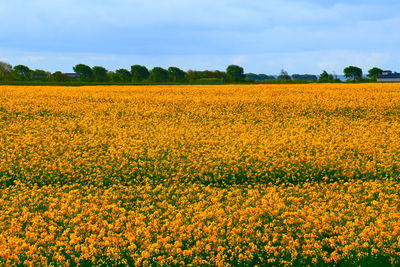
(389, 76)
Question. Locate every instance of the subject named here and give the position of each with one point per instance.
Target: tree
(22, 72)
(235, 73)
(110, 76)
(352, 72)
(259, 77)
(284, 75)
(207, 76)
(216, 74)
(84, 72)
(325, 77)
(58, 76)
(122, 75)
(159, 75)
(40, 75)
(304, 77)
(222, 75)
(139, 73)
(193, 75)
(374, 73)
(5, 70)
(177, 75)
(99, 74)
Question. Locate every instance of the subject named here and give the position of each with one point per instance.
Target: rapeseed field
(200, 175)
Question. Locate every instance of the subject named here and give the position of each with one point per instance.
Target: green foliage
(177, 75)
(284, 76)
(208, 81)
(193, 75)
(207, 76)
(5, 70)
(122, 75)
(40, 75)
(215, 74)
(304, 77)
(325, 77)
(22, 73)
(99, 74)
(283, 81)
(235, 73)
(139, 73)
(84, 72)
(58, 76)
(259, 77)
(352, 72)
(374, 73)
(159, 75)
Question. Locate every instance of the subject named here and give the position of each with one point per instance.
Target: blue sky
(261, 35)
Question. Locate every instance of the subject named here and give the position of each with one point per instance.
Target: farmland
(203, 175)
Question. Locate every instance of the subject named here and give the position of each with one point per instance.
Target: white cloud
(261, 35)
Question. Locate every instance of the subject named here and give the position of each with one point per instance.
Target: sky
(263, 36)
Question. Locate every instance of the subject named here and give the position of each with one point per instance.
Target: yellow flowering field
(203, 175)
(334, 223)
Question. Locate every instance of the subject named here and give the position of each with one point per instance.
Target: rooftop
(387, 74)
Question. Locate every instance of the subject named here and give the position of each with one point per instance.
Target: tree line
(136, 74)
(351, 73)
(140, 74)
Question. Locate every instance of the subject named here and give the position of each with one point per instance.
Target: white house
(389, 76)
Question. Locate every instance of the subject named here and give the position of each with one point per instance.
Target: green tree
(22, 72)
(304, 77)
(40, 75)
(352, 72)
(110, 76)
(177, 75)
(58, 76)
(99, 73)
(325, 77)
(84, 72)
(216, 74)
(123, 76)
(235, 73)
(284, 75)
(5, 70)
(259, 77)
(374, 73)
(159, 75)
(193, 75)
(139, 73)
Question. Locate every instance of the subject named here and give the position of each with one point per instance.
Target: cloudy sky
(261, 35)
